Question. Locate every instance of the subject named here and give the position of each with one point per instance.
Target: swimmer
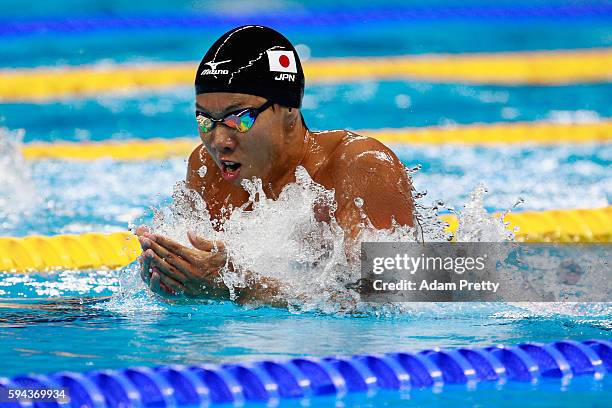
(249, 88)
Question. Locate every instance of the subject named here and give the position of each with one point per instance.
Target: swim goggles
(242, 120)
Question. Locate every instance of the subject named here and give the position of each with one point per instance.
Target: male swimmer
(249, 88)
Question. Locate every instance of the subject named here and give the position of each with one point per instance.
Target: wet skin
(354, 166)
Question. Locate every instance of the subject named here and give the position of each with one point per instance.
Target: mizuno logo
(213, 68)
(213, 65)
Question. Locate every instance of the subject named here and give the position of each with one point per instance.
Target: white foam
(17, 191)
(281, 239)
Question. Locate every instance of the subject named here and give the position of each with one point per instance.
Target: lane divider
(84, 251)
(483, 134)
(527, 68)
(95, 250)
(310, 377)
(532, 68)
(119, 150)
(576, 225)
(499, 134)
(327, 18)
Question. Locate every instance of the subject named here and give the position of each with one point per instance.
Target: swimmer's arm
(193, 180)
(371, 171)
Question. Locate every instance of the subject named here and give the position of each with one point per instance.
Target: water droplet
(518, 202)
(202, 171)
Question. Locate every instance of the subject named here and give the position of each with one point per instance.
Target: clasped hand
(174, 270)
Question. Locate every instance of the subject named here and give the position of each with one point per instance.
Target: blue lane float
(306, 377)
(338, 17)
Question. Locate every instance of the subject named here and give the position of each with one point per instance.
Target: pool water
(85, 320)
(393, 104)
(63, 334)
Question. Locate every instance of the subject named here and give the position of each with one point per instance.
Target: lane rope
(533, 68)
(84, 251)
(540, 133)
(308, 377)
(96, 250)
(150, 149)
(328, 18)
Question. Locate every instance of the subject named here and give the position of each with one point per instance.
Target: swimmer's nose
(223, 142)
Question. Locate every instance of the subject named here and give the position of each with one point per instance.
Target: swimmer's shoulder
(361, 166)
(345, 148)
(200, 166)
(328, 140)
(196, 160)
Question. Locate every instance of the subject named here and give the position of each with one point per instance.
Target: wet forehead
(220, 103)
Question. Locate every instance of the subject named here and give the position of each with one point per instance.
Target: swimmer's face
(241, 155)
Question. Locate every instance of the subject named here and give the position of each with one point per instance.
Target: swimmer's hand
(173, 270)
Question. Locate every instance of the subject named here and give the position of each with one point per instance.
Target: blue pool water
(394, 104)
(75, 196)
(64, 320)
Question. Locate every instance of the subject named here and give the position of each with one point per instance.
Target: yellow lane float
(531, 68)
(481, 134)
(114, 250)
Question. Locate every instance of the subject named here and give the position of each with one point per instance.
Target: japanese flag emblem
(282, 61)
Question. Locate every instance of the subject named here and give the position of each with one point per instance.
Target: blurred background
(96, 123)
(63, 78)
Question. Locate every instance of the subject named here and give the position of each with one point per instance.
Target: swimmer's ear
(291, 118)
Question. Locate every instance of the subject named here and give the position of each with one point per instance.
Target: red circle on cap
(284, 61)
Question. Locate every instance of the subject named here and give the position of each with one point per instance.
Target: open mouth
(230, 170)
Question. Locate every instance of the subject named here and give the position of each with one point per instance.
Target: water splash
(62, 283)
(17, 191)
(476, 225)
(280, 239)
(131, 297)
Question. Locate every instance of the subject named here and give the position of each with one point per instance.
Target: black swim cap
(253, 60)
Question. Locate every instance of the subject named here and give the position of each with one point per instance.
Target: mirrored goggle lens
(204, 124)
(241, 123)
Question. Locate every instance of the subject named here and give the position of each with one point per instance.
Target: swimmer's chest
(221, 198)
